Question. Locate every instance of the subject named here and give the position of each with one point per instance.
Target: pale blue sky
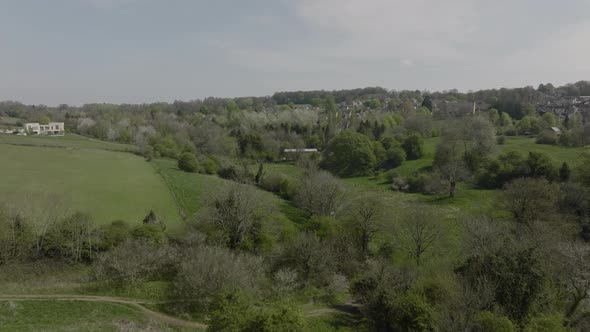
(133, 51)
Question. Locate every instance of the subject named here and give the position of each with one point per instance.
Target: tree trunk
(452, 188)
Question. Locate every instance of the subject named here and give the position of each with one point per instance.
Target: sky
(139, 51)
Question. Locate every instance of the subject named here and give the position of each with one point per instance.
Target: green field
(81, 176)
(70, 141)
(44, 315)
(193, 190)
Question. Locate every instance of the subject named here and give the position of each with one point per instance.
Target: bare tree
(574, 271)
(463, 143)
(529, 200)
(76, 236)
(40, 212)
(320, 193)
(237, 213)
(418, 233)
(365, 217)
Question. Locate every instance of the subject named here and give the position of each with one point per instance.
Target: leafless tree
(320, 193)
(574, 271)
(237, 213)
(418, 233)
(131, 261)
(529, 200)
(365, 217)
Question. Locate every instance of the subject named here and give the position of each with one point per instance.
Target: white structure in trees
(52, 129)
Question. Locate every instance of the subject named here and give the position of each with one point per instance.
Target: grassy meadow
(69, 141)
(45, 315)
(77, 174)
(193, 191)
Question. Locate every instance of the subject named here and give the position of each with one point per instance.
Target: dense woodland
(522, 266)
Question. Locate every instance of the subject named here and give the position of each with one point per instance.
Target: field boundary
(181, 210)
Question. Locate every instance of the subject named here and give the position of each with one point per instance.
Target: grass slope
(42, 315)
(107, 185)
(70, 141)
(192, 191)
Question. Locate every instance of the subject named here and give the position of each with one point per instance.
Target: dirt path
(137, 304)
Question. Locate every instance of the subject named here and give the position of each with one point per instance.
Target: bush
(273, 182)
(546, 323)
(209, 166)
(114, 234)
(133, 261)
(546, 138)
(188, 162)
(206, 273)
(486, 321)
(418, 183)
(232, 313)
(228, 172)
(501, 140)
(394, 157)
(511, 131)
(150, 233)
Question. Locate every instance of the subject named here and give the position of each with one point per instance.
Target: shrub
(486, 321)
(151, 233)
(418, 182)
(205, 273)
(209, 166)
(546, 323)
(546, 138)
(501, 140)
(132, 261)
(114, 234)
(188, 162)
(229, 172)
(394, 157)
(273, 182)
(232, 313)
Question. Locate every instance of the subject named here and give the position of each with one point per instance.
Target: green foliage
(517, 274)
(564, 172)
(373, 104)
(188, 162)
(529, 200)
(207, 273)
(209, 166)
(233, 314)
(322, 227)
(541, 166)
(494, 115)
(583, 169)
(486, 321)
(149, 232)
(546, 323)
(114, 234)
(427, 102)
(413, 145)
(350, 154)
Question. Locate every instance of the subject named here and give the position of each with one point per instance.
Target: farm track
(137, 304)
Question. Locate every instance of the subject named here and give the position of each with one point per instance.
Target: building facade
(52, 129)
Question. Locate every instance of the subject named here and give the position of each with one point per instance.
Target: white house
(52, 128)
